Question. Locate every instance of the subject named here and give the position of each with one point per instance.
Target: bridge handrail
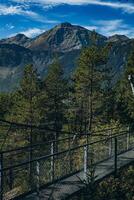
(62, 152)
(94, 134)
(45, 164)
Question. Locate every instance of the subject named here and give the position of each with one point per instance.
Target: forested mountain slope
(64, 41)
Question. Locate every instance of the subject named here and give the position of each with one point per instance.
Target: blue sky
(33, 17)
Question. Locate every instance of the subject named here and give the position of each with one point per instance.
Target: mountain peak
(19, 39)
(117, 38)
(69, 26)
(65, 37)
(20, 35)
(65, 24)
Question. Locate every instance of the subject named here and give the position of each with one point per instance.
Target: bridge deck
(71, 185)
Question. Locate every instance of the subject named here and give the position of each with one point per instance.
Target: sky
(33, 17)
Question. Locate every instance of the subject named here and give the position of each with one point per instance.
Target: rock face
(118, 38)
(19, 39)
(65, 41)
(13, 58)
(64, 38)
(13, 55)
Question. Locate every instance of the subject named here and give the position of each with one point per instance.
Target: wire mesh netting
(29, 168)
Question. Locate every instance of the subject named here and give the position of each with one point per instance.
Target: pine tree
(54, 98)
(87, 84)
(26, 98)
(5, 105)
(26, 108)
(124, 95)
(108, 97)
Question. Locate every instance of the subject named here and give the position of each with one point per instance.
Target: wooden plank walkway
(71, 185)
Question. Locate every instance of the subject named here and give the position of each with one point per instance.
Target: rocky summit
(65, 41)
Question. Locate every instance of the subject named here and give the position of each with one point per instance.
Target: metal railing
(20, 175)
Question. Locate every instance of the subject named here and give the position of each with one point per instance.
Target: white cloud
(126, 7)
(108, 26)
(9, 10)
(18, 10)
(112, 27)
(91, 27)
(24, 10)
(9, 26)
(32, 32)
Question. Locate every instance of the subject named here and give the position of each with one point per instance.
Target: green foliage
(87, 86)
(87, 102)
(111, 188)
(124, 95)
(26, 99)
(54, 95)
(5, 104)
(119, 188)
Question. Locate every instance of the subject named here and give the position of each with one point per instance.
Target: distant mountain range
(65, 41)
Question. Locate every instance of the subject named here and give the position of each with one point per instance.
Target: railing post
(11, 175)
(128, 137)
(70, 157)
(1, 176)
(38, 180)
(52, 161)
(110, 143)
(85, 161)
(115, 156)
(30, 166)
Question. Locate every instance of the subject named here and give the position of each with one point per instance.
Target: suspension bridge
(56, 169)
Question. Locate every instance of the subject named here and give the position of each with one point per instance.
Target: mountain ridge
(65, 41)
(22, 40)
